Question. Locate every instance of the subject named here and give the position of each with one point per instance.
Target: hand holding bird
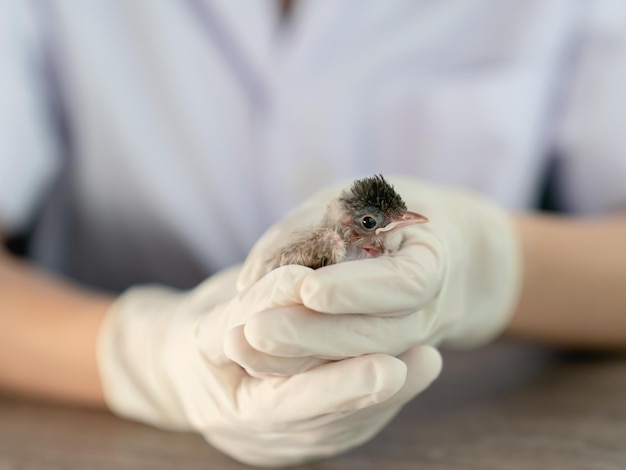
(452, 280)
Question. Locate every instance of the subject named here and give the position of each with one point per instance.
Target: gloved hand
(454, 281)
(161, 361)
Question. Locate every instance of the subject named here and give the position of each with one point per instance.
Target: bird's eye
(368, 222)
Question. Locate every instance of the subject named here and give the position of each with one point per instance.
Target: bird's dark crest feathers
(375, 192)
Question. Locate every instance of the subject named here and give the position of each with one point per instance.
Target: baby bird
(362, 222)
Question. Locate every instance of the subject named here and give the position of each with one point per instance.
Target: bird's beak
(406, 218)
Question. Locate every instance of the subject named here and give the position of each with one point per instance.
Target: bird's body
(362, 222)
(321, 247)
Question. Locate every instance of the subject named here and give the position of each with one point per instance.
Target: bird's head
(371, 209)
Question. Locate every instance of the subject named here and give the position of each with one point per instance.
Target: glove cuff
(130, 342)
(493, 279)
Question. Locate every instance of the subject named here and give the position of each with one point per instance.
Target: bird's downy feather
(362, 222)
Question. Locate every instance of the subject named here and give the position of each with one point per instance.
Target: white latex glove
(161, 361)
(455, 280)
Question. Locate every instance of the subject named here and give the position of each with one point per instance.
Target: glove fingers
(424, 365)
(326, 434)
(397, 284)
(275, 403)
(257, 363)
(299, 332)
(280, 287)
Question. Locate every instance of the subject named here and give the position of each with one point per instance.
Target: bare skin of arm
(48, 331)
(573, 295)
(574, 286)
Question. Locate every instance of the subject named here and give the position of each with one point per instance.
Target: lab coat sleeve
(591, 169)
(28, 146)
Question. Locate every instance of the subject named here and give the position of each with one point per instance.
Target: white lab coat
(155, 141)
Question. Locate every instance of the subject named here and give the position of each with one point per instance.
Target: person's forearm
(574, 285)
(48, 331)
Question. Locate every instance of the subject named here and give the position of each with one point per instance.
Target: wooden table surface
(507, 406)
